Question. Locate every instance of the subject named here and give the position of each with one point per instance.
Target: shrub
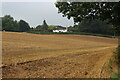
(114, 63)
(117, 54)
(115, 75)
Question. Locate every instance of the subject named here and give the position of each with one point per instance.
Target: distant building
(60, 29)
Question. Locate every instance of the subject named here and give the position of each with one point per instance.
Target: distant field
(54, 56)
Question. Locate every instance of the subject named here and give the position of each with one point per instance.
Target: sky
(35, 12)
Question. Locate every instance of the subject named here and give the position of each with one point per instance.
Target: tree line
(87, 25)
(9, 24)
(95, 26)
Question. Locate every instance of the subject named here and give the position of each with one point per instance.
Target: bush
(117, 54)
(117, 60)
(115, 75)
(114, 63)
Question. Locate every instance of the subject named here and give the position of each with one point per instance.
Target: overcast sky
(35, 12)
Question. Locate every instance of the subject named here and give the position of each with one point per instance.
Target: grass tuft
(115, 75)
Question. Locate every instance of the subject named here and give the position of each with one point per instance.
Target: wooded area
(87, 25)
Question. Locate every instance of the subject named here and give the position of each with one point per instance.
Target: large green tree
(23, 26)
(9, 24)
(106, 11)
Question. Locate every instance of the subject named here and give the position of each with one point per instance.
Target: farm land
(26, 55)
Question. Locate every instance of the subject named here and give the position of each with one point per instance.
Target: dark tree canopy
(95, 26)
(24, 26)
(9, 24)
(45, 26)
(106, 11)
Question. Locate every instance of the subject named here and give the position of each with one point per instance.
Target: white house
(60, 30)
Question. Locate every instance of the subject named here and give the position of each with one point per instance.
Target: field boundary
(76, 33)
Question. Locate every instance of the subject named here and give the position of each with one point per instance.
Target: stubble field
(26, 55)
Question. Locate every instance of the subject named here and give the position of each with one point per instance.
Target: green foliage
(38, 28)
(45, 26)
(42, 28)
(9, 24)
(51, 28)
(16, 26)
(106, 11)
(23, 26)
(117, 54)
(114, 61)
(95, 26)
(0, 23)
(73, 29)
(115, 75)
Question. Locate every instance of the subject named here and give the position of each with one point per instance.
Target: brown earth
(55, 56)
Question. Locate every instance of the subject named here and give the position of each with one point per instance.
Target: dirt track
(56, 56)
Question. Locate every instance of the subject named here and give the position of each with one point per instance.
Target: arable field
(26, 55)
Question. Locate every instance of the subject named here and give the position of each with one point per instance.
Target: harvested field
(28, 55)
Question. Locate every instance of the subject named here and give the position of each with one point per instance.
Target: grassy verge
(77, 33)
(114, 64)
(115, 75)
